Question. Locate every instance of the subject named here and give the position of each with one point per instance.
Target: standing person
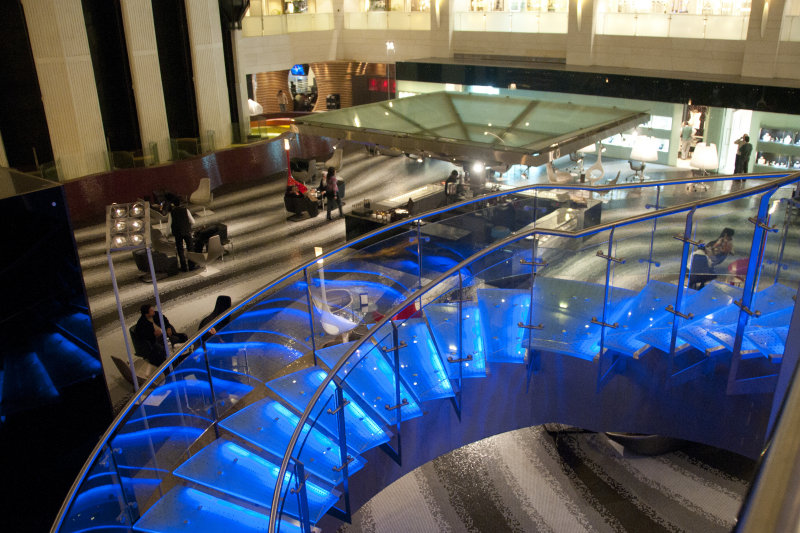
(181, 224)
(686, 139)
(283, 100)
(743, 151)
(451, 186)
(332, 192)
(223, 304)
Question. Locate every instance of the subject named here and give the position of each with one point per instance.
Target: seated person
(149, 335)
(222, 304)
(297, 200)
(704, 261)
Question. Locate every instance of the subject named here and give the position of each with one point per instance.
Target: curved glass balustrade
(261, 425)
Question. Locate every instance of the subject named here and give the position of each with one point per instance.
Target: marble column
(763, 39)
(208, 66)
(140, 36)
(3, 157)
(580, 32)
(60, 50)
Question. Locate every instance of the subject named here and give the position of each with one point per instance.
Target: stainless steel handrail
(777, 180)
(504, 242)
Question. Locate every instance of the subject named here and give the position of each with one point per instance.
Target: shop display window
(399, 5)
(518, 6)
(781, 136)
(693, 7)
(772, 160)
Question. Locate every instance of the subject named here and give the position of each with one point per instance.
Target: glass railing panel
(360, 286)
(265, 336)
(100, 501)
(567, 294)
(643, 282)
(170, 416)
(450, 240)
(779, 263)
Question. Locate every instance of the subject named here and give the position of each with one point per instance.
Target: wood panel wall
(267, 86)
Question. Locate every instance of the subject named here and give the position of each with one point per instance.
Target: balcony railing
(275, 410)
(282, 24)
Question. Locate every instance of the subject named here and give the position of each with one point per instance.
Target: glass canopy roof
(467, 126)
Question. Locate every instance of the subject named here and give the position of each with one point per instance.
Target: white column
(140, 36)
(3, 157)
(241, 89)
(208, 66)
(60, 49)
(763, 39)
(580, 32)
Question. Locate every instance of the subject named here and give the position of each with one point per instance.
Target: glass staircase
(261, 426)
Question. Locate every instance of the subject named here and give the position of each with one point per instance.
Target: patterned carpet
(555, 478)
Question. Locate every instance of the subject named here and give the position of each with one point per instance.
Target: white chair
(160, 243)
(215, 251)
(596, 172)
(203, 195)
(557, 176)
(333, 324)
(335, 161)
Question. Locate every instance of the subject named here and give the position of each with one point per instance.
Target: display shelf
(777, 148)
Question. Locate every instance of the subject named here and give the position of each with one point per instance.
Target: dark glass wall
(54, 404)
(22, 121)
(175, 58)
(112, 74)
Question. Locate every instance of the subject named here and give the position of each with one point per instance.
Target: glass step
(637, 315)
(185, 509)
(192, 394)
(770, 341)
(565, 309)
(362, 432)
(443, 320)
(711, 298)
(269, 425)
(369, 374)
(727, 334)
(420, 364)
(227, 467)
(772, 299)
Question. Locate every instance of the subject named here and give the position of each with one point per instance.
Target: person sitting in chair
(712, 254)
(150, 336)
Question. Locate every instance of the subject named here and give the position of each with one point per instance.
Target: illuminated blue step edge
(774, 298)
(501, 311)
(727, 334)
(565, 309)
(769, 341)
(100, 502)
(443, 320)
(260, 357)
(229, 468)
(288, 321)
(421, 366)
(192, 394)
(637, 315)
(370, 376)
(269, 425)
(362, 431)
(185, 509)
(711, 298)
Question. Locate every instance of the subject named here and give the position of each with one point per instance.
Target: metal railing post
(687, 242)
(310, 316)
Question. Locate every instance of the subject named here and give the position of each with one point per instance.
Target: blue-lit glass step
(772, 299)
(711, 298)
(369, 375)
(443, 320)
(184, 509)
(501, 310)
(565, 309)
(637, 315)
(362, 431)
(269, 425)
(231, 469)
(770, 342)
(192, 394)
(421, 366)
(727, 334)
